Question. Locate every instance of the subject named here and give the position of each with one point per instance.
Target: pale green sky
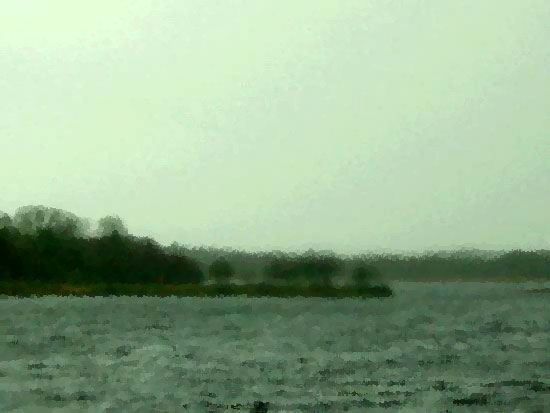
(351, 125)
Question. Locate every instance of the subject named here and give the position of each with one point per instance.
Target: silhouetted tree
(109, 224)
(279, 269)
(11, 266)
(183, 270)
(221, 270)
(365, 275)
(5, 220)
(314, 269)
(63, 222)
(32, 218)
(325, 269)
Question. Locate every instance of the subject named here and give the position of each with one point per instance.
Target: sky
(346, 125)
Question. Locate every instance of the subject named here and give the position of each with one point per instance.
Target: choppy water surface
(432, 347)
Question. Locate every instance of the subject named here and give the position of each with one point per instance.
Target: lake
(457, 347)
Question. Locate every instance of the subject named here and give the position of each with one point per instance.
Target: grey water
(456, 347)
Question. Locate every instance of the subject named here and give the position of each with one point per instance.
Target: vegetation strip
(188, 290)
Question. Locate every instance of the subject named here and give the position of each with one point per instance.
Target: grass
(29, 289)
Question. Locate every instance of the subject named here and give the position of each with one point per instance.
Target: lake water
(430, 348)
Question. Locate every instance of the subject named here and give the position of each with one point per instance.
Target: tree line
(52, 245)
(327, 267)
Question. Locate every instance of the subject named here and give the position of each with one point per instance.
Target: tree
(327, 268)
(32, 218)
(318, 269)
(221, 270)
(66, 223)
(28, 219)
(109, 224)
(278, 269)
(11, 265)
(365, 274)
(5, 220)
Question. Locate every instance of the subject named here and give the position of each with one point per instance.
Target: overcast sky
(350, 125)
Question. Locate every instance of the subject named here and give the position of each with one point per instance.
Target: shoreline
(31, 289)
(539, 291)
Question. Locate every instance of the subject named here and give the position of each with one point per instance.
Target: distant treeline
(56, 255)
(52, 245)
(467, 265)
(512, 265)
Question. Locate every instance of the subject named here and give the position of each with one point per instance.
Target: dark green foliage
(49, 245)
(5, 220)
(365, 274)
(314, 269)
(33, 218)
(513, 265)
(29, 288)
(111, 224)
(473, 265)
(221, 270)
(52, 256)
(11, 265)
